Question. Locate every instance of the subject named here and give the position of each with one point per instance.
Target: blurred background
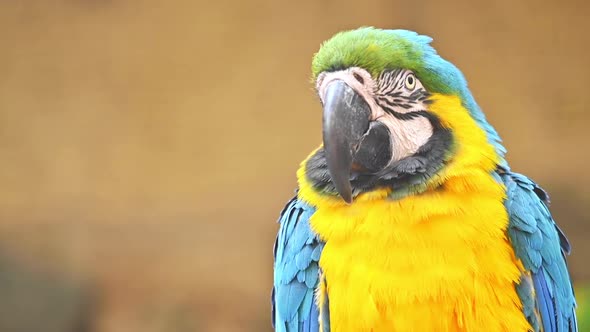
(148, 147)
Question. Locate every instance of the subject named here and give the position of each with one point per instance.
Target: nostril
(359, 78)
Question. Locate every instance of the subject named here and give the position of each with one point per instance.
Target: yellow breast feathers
(437, 261)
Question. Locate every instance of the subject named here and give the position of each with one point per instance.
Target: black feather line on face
(406, 116)
(388, 102)
(403, 175)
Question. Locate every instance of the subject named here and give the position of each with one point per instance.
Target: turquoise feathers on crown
(376, 50)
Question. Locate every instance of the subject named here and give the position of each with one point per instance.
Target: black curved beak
(346, 119)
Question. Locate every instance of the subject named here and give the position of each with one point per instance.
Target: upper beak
(346, 119)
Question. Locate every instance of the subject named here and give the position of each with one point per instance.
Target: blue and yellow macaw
(408, 217)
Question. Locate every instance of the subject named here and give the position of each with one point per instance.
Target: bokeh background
(148, 146)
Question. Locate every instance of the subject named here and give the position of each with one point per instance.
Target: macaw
(408, 217)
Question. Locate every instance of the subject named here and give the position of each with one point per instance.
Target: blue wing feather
(546, 290)
(297, 251)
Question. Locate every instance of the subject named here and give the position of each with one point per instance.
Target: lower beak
(346, 119)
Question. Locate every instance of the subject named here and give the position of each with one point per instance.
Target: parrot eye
(410, 82)
(359, 78)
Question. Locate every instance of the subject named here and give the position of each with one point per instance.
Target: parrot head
(394, 114)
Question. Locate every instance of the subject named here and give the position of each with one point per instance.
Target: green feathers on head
(376, 50)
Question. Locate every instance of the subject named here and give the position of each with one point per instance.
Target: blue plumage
(297, 252)
(542, 247)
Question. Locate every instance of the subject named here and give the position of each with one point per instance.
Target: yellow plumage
(437, 261)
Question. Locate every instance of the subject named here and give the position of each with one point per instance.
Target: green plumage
(376, 50)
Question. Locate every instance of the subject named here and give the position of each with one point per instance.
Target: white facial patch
(396, 99)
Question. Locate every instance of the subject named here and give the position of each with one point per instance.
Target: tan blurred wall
(148, 146)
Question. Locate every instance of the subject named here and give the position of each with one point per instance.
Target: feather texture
(546, 289)
(297, 252)
(472, 247)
